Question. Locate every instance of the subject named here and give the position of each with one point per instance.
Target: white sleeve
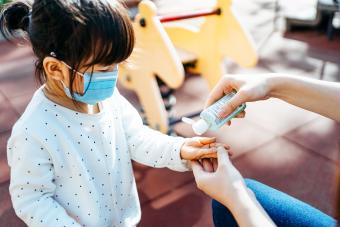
(32, 184)
(148, 146)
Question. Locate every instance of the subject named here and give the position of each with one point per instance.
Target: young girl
(70, 152)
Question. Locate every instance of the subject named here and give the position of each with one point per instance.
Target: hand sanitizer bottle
(209, 117)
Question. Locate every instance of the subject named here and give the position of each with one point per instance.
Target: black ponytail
(15, 18)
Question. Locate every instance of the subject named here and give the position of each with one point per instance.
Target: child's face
(78, 84)
(58, 72)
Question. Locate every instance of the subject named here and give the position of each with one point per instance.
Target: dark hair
(98, 31)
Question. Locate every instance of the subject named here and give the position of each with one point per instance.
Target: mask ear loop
(53, 54)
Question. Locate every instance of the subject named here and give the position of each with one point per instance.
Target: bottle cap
(200, 126)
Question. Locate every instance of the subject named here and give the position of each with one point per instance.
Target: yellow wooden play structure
(157, 37)
(153, 55)
(218, 37)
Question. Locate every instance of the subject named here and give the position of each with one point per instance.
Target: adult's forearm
(318, 96)
(248, 212)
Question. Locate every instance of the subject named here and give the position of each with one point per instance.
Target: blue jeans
(283, 209)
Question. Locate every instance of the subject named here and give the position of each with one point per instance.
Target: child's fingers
(210, 145)
(200, 141)
(205, 152)
(206, 140)
(227, 147)
(215, 164)
(212, 155)
(207, 165)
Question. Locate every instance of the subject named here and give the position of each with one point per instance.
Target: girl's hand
(249, 88)
(200, 147)
(219, 178)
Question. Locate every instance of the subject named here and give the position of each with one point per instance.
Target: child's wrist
(180, 152)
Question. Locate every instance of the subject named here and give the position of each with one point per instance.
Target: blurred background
(288, 148)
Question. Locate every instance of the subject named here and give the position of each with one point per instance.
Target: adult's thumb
(196, 166)
(222, 156)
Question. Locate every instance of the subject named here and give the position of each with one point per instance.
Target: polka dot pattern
(74, 169)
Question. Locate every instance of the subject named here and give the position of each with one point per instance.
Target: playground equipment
(221, 35)
(154, 57)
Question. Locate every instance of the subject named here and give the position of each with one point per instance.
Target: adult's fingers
(222, 87)
(232, 104)
(197, 168)
(227, 147)
(241, 115)
(222, 156)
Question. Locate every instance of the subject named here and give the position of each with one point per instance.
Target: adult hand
(223, 182)
(219, 178)
(249, 88)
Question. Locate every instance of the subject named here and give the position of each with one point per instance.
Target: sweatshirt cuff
(178, 163)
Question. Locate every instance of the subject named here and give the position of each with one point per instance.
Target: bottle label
(217, 106)
(211, 114)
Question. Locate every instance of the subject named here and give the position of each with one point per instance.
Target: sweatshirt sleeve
(148, 146)
(32, 184)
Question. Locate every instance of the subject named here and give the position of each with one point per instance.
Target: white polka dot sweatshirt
(74, 169)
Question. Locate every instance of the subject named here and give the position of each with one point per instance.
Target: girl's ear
(55, 69)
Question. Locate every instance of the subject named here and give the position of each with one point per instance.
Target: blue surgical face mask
(96, 88)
